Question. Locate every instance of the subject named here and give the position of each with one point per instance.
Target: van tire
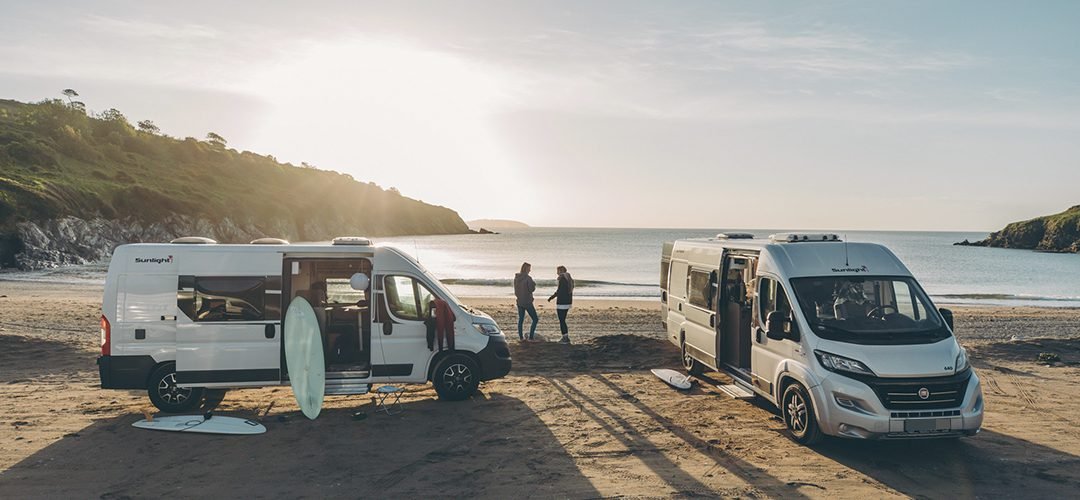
(166, 396)
(692, 366)
(798, 413)
(456, 377)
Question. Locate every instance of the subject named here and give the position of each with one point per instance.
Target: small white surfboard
(673, 378)
(197, 423)
(304, 357)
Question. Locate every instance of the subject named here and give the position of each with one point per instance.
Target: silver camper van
(192, 315)
(839, 336)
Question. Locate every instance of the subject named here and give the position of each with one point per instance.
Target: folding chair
(388, 399)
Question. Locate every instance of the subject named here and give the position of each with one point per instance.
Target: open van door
(228, 332)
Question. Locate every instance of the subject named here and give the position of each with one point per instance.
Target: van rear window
(229, 298)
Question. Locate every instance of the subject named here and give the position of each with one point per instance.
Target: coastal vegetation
(59, 163)
(1052, 233)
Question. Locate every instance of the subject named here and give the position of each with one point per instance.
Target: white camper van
(839, 336)
(183, 317)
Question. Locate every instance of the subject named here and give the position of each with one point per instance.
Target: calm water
(624, 263)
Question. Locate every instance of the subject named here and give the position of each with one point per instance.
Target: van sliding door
(228, 331)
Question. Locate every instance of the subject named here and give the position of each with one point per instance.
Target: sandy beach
(579, 421)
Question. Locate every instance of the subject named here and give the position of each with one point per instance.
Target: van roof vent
(269, 241)
(799, 237)
(352, 240)
(193, 240)
(734, 236)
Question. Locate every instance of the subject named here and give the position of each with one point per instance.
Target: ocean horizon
(623, 263)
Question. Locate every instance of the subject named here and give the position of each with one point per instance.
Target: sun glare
(391, 113)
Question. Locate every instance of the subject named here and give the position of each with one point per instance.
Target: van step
(736, 391)
(341, 387)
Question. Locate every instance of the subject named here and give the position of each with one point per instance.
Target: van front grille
(919, 395)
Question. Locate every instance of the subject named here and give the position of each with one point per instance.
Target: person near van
(565, 295)
(524, 286)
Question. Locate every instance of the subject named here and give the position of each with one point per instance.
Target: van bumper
(851, 409)
(494, 358)
(125, 372)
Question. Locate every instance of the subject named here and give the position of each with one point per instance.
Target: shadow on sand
(488, 446)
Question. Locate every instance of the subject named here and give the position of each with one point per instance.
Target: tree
(113, 115)
(70, 93)
(215, 139)
(149, 127)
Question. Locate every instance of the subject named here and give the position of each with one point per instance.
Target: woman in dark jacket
(524, 286)
(565, 296)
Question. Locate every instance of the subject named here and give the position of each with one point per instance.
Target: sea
(624, 264)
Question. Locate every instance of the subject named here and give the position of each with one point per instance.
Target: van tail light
(106, 337)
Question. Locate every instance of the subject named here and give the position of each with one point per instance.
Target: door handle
(680, 306)
(387, 327)
(712, 320)
(269, 331)
(168, 318)
(757, 335)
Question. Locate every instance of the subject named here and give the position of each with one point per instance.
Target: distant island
(1051, 233)
(489, 224)
(74, 185)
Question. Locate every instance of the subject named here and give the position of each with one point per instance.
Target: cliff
(1051, 233)
(73, 186)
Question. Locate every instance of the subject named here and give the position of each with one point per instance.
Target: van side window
(407, 298)
(771, 297)
(232, 298)
(702, 288)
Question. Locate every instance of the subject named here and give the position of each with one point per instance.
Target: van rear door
(228, 332)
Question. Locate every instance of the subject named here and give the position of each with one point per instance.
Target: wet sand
(579, 421)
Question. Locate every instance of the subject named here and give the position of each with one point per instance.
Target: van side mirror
(947, 315)
(774, 325)
(359, 281)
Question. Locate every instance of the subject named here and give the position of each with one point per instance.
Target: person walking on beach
(565, 296)
(524, 286)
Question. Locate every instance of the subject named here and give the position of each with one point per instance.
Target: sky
(891, 115)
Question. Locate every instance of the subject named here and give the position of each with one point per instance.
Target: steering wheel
(879, 311)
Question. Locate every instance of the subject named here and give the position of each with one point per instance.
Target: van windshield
(868, 309)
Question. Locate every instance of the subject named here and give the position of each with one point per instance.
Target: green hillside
(57, 162)
(1052, 233)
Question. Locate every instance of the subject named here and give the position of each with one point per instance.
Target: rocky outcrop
(71, 240)
(1052, 233)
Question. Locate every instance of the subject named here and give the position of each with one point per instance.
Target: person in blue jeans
(524, 286)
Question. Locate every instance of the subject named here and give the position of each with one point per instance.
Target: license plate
(928, 425)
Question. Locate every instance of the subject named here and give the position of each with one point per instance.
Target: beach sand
(580, 421)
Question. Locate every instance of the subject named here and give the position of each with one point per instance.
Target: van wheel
(456, 377)
(692, 366)
(166, 396)
(799, 415)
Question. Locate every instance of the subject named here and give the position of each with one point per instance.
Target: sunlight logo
(862, 269)
(154, 260)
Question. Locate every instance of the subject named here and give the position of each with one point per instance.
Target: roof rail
(351, 240)
(269, 241)
(193, 240)
(799, 237)
(734, 236)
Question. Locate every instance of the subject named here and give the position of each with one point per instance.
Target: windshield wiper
(823, 326)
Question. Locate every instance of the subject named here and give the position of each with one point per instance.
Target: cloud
(147, 29)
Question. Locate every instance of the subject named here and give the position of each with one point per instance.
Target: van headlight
(961, 362)
(836, 363)
(487, 328)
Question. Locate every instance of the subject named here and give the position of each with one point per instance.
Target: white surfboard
(304, 357)
(200, 424)
(673, 378)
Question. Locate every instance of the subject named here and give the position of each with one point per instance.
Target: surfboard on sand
(673, 378)
(201, 424)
